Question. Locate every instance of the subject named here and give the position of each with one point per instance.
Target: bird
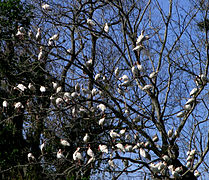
(38, 34)
(106, 28)
(111, 163)
(120, 147)
(42, 146)
(94, 92)
(141, 38)
(89, 63)
(18, 105)
(139, 66)
(58, 101)
(102, 107)
(86, 138)
(155, 138)
(40, 55)
(147, 87)
(31, 87)
(170, 133)
(74, 95)
(46, 6)
(197, 173)
(193, 92)
(20, 32)
(101, 121)
(92, 159)
(59, 89)
(77, 156)
(31, 157)
(64, 142)
(20, 87)
(128, 148)
(138, 48)
(187, 107)
(116, 71)
(181, 114)
(114, 134)
(124, 78)
(42, 89)
(134, 71)
(90, 22)
(5, 104)
(153, 74)
(90, 152)
(59, 154)
(97, 77)
(122, 131)
(103, 148)
(54, 85)
(166, 158)
(190, 100)
(55, 37)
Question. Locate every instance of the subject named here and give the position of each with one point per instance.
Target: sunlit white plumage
(138, 48)
(38, 34)
(147, 87)
(193, 92)
(141, 38)
(59, 101)
(128, 148)
(102, 107)
(116, 71)
(18, 105)
(122, 131)
(21, 87)
(120, 147)
(114, 134)
(59, 89)
(42, 146)
(101, 121)
(77, 155)
(90, 22)
(181, 114)
(197, 173)
(31, 87)
(64, 142)
(103, 148)
(153, 74)
(42, 89)
(59, 154)
(55, 37)
(170, 133)
(46, 6)
(5, 104)
(86, 138)
(155, 138)
(90, 152)
(31, 157)
(106, 28)
(89, 63)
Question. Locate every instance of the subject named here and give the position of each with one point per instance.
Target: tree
(129, 76)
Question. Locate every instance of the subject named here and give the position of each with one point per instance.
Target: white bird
(147, 144)
(120, 147)
(31, 157)
(18, 105)
(59, 101)
(193, 92)
(187, 107)
(154, 167)
(122, 131)
(153, 74)
(170, 133)
(86, 138)
(192, 153)
(20, 87)
(138, 48)
(179, 169)
(190, 100)
(102, 107)
(59, 89)
(54, 85)
(114, 134)
(89, 63)
(103, 148)
(74, 94)
(188, 164)
(66, 97)
(197, 173)
(94, 92)
(90, 152)
(90, 22)
(124, 78)
(161, 166)
(92, 159)
(155, 138)
(42, 89)
(77, 156)
(101, 121)
(128, 148)
(181, 114)
(38, 34)
(147, 87)
(46, 6)
(134, 71)
(97, 77)
(31, 87)
(139, 66)
(20, 32)
(106, 28)
(5, 104)
(141, 38)
(55, 37)
(64, 142)
(59, 154)
(40, 55)
(111, 163)
(116, 71)
(42, 146)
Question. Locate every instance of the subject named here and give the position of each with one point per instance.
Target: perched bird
(106, 28)
(38, 34)
(64, 142)
(5, 104)
(153, 74)
(103, 148)
(59, 89)
(114, 134)
(97, 77)
(116, 71)
(20, 87)
(193, 92)
(147, 87)
(124, 78)
(18, 105)
(77, 156)
(90, 22)
(86, 138)
(42, 89)
(155, 138)
(31, 87)
(42, 146)
(181, 114)
(120, 147)
(55, 37)
(139, 66)
(101, 121)
(102, 107)
(134, 71)
(111, 163)
(59, 101)
(170, 133)
(92, 159)
(31, 157)
(141, 38)
(166, 158)
(187, 107)
(40, 55)
(20, 32)
(128, 148)
(59, 154)
(122, 131)
(90, 152)
(46, 6)
(54, 85)
(89, 63)
(197, 173)
(138, 48)
(190, 100)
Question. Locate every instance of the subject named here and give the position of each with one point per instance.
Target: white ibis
(64, 142)
(97, 77)
(77, 156)
(114, 134)
(74, 94)
(40, 55)
(153, 74)
(187, 107)
(181, 114)
(54, 85)
(103, 148)
(161, 166)
(122, 131)
(5, 104)
(90, 22)
(128, 148)
(90, 152)
(92, 159)
(188, 164)
(18, 105)
(20, 32)
(192, 153)
(155, 138)
(42, 146)
(43, 89)
(31, 157)
(55, 37)
(20, 87)
(38, 34)
(124, 78)
(102, 107)
(46, 6)
(89, 63)
(147, 144)
(31, 87)
(86, 138)
(59, 101)
(134, 71)
(179, 169)
(94, 92)
(170, 133)
(147, 87)
(190, 100)
(193, 92)
(139, 66)
(106, 28)
(59, 89)
(197, 173)
(138, 48)
(101, 121)
(59, 154)
(141, 38)
(117, 71)
(67, 97)
(120, 147)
